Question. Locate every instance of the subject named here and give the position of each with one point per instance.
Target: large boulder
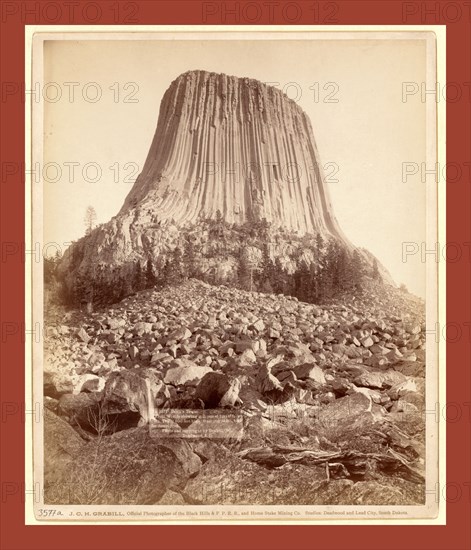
(412, 368)
(90, 383)
(81, 410)
(115, 323)
(178, 335)
(138, 390)
(345, 409)
(178, 376)
(297, 353)
(62, 445)
(61, 381)
(309, 371)
(128, 467)
(379, 379)
(247, 358)
(215, 389)
(83, 336)
(142, 327)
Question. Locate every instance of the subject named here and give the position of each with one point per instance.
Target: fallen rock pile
(330, 379)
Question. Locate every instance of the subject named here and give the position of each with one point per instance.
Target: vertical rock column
(238, 146)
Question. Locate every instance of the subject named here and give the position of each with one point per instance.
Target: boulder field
(207, 394)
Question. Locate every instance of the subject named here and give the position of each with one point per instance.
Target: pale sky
(368, 133)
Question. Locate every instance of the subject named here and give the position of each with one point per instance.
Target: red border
(456, 534)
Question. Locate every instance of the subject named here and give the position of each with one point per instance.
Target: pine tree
(151, 279)
(90, 219)
(244, 272)
(139, 278)
(164, 274)
(314, 283)
(358, 270)
(344, 271)
(328, 276)
(266, 275)
(302, 282)
(174, 271)
(128, 281)
(49, 268)
(189, 258)
(79, 292)
(283, 282)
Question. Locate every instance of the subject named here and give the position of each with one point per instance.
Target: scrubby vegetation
(253, 256)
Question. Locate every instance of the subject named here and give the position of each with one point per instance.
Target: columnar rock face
(234, 145)
(228, 149)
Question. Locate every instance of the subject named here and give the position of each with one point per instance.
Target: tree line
(319, 271)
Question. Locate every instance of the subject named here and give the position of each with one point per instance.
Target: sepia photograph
(234, 287)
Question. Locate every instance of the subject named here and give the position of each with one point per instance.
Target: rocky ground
(207, 394)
